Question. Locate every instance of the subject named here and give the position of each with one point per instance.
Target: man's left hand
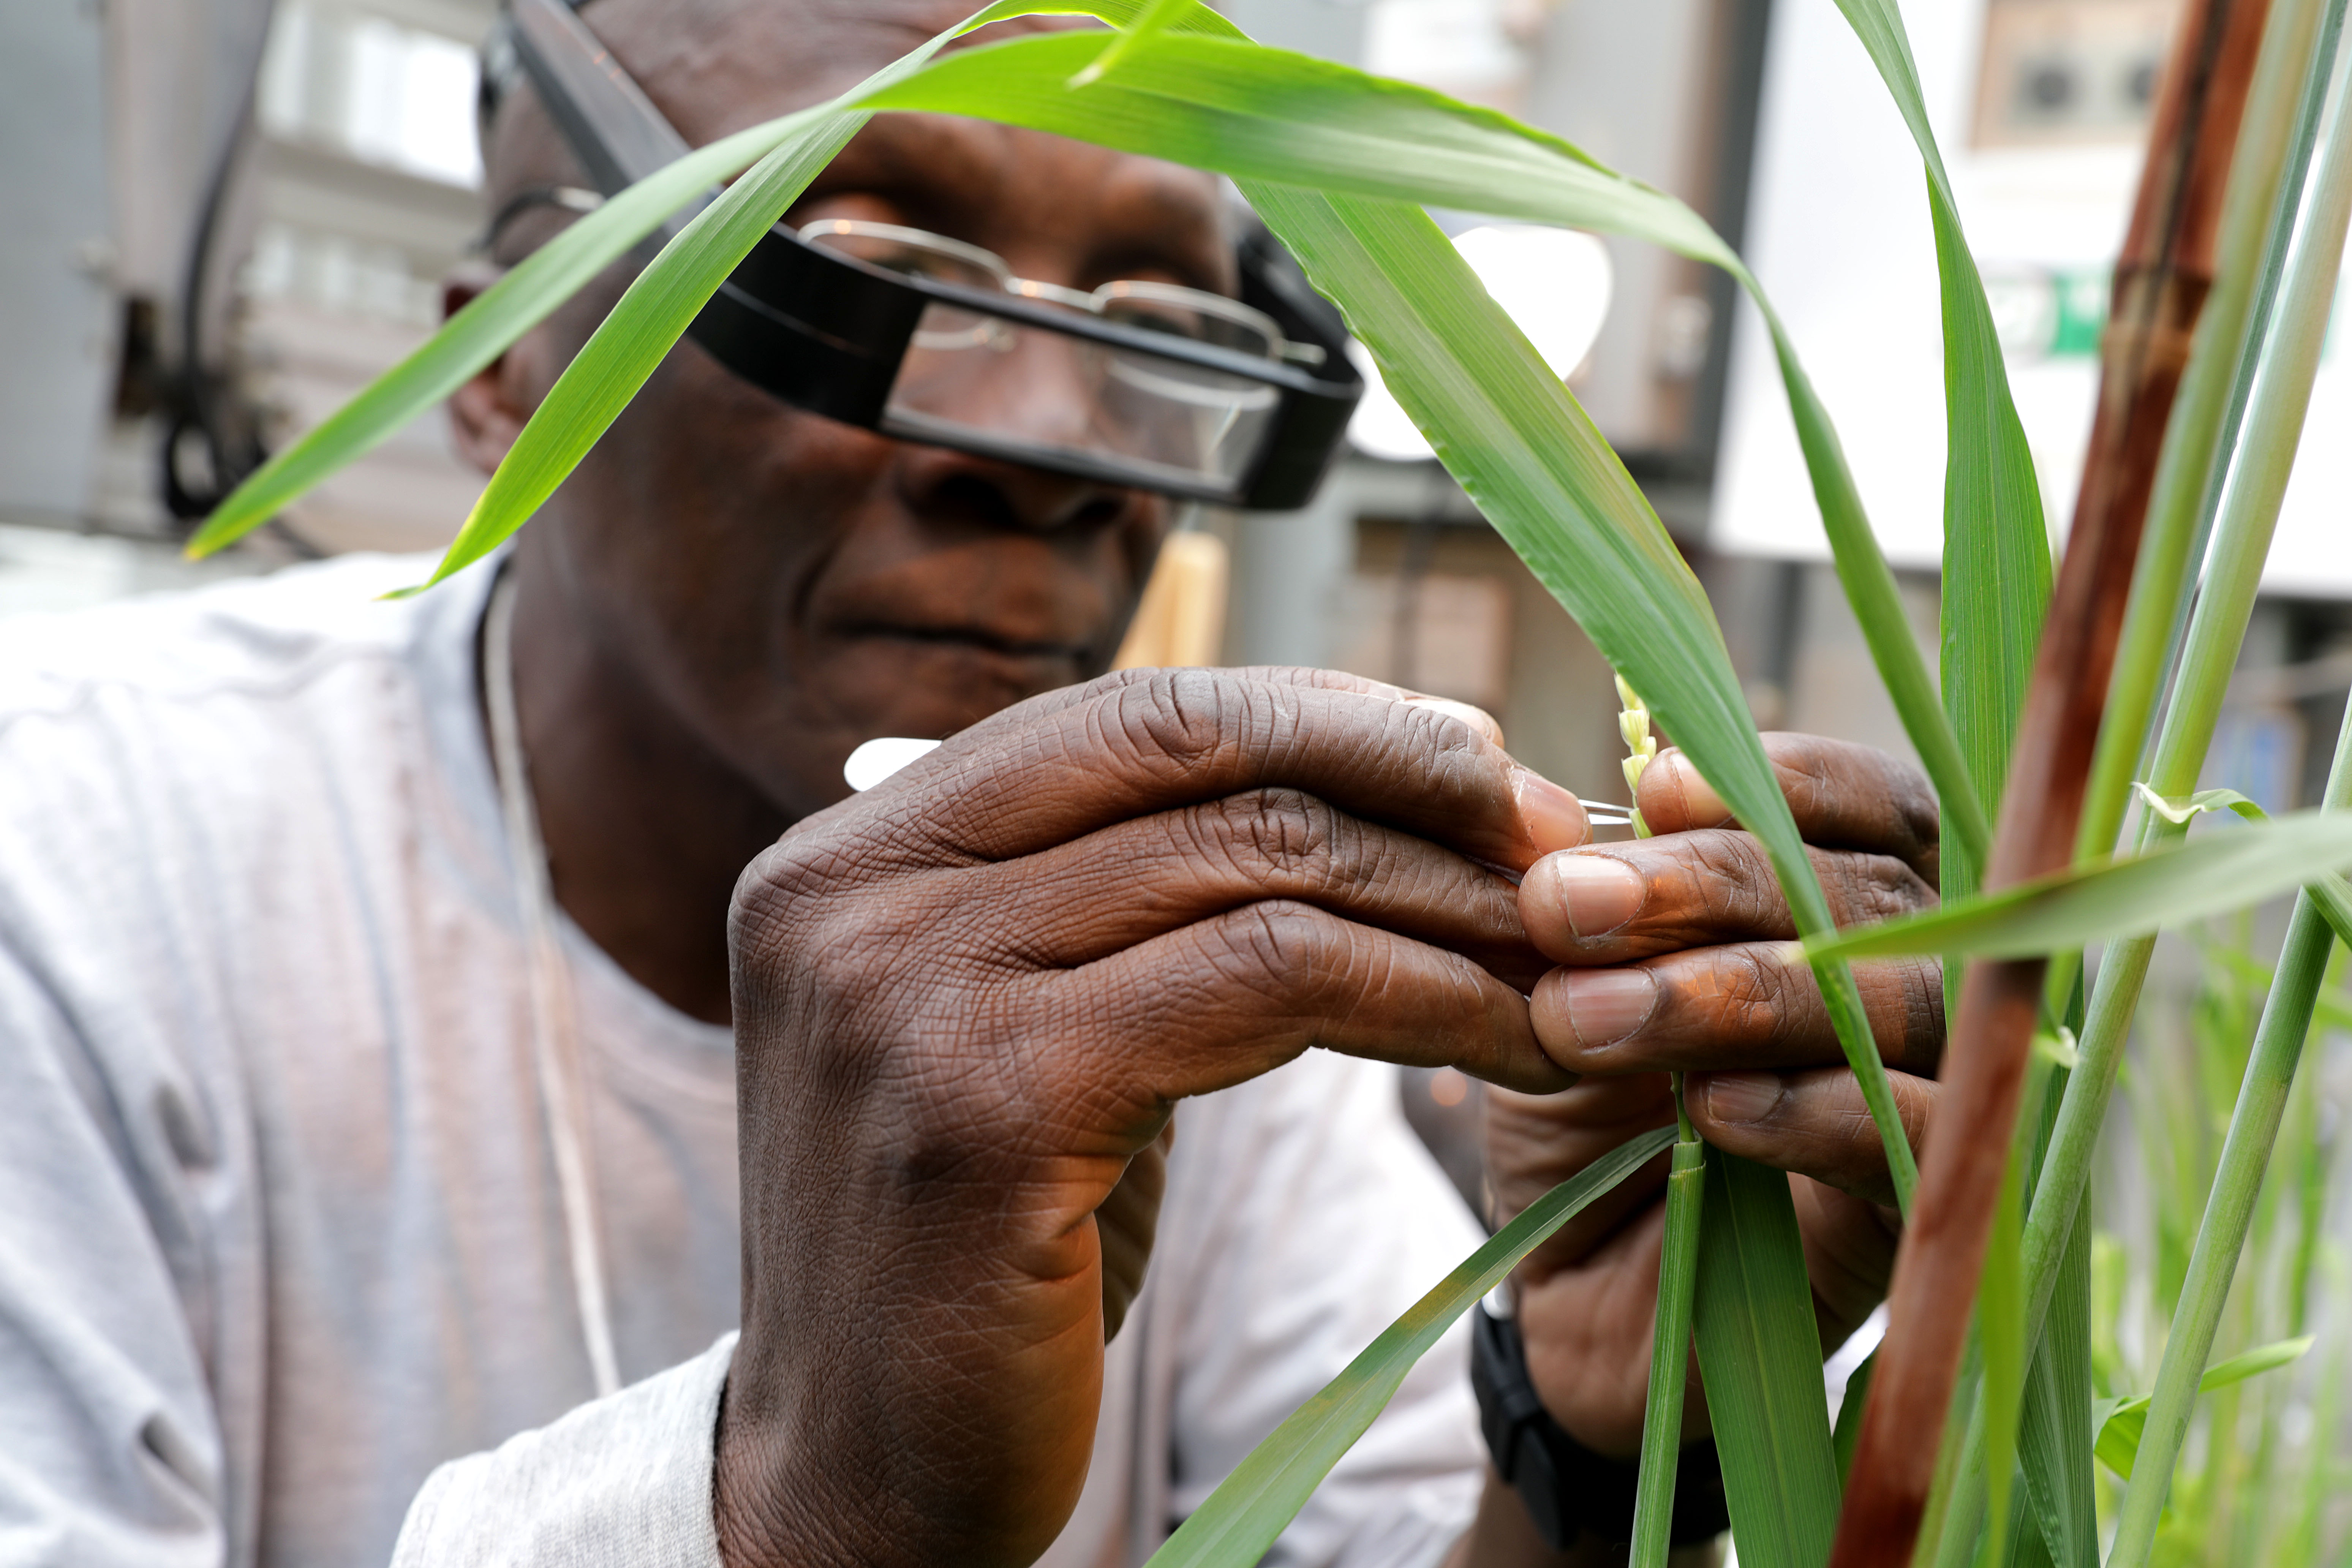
(1671, 955)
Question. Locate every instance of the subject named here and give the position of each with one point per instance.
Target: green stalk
(2186, 491)
(1670, 1347)
(2242, 544)
(2216, 631)
(2245, 1154)
(2262, 1102)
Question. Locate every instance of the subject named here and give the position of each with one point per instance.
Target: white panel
(1840, 239)
(55, 252)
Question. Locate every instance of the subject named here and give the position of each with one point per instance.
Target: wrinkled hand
(966, 1003)
(1670, 962)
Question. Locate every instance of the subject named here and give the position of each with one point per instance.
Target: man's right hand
(966, 1003)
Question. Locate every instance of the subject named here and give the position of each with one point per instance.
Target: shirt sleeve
(110, 1447)
(1314, 1219)
(623, 1480)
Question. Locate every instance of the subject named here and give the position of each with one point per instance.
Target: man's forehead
(714, 67)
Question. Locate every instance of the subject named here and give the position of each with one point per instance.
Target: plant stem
(2041, 808)
(2254, 1130)
(2245, 1153)
(1670, 1348)
(2215, 632)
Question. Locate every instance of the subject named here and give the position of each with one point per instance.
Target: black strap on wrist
(1568, 1489)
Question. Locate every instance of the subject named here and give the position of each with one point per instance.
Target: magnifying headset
(1143, 384)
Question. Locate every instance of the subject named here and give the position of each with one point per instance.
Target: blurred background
(226, 216)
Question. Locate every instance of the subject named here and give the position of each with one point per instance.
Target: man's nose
(939, 482)
(1025, 389)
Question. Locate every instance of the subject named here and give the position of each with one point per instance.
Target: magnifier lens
(1047, 394)
(915, 255)
(1184, 313)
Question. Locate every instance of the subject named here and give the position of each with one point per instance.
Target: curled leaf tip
(2180, 811)
(2057, 1047)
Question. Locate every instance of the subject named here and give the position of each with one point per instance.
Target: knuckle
(1190, 718)
(1264, 949)
(1863, 889)
(1922, 1046)
(1733, 883)
(1282, 835)
(782, 885)
(1749, 994)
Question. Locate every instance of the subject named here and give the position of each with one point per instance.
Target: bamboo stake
(2162, 279)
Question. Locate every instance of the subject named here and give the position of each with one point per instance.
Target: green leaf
(659, 305)
(2054, 1429)
(484, 329)
(783, 155)
(2001, 1327)
(1759, 1351)
(2329, 890)
(663, 302)
(2123, 896)
(1670, 1347)
(1848, 1431)
(1241, 1519)
(1996, 546)
(1263, 114)
(2121, 1428)
(1156, 19)
(2177, 812)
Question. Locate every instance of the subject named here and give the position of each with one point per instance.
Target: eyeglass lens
(1031, 393)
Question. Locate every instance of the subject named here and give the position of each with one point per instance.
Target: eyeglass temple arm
(611, 125)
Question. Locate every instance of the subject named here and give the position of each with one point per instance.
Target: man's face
(782, 586)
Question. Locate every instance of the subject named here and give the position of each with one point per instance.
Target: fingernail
(1479, 719)
(1702, 807)
(1743, 1096)
(1600, 892)
(1554, 818)
(1604, 1005)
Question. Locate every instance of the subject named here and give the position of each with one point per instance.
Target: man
(336, 1144)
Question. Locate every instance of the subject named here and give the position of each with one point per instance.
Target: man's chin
(934, 685)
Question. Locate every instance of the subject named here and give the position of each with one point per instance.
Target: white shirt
(279, 1232)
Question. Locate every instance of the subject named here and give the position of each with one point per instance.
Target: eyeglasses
(1194, 314)
(1147, 385)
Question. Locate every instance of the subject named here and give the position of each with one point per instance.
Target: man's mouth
(981, 639)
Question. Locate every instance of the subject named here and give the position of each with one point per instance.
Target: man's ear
(489, 411)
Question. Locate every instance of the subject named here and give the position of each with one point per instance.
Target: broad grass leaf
(1848, 1430)
(2177, 812)
(1241, 1519)
(2000, 1328)
(484, 329)
(2122, 1425)
(1759, 1351)
(1670, 1351)
(2116, 897)
(2054, 1435)
(1996, 584)
(782, 153)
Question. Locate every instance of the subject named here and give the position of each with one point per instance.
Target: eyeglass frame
(1223, 307)
(846, 370)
